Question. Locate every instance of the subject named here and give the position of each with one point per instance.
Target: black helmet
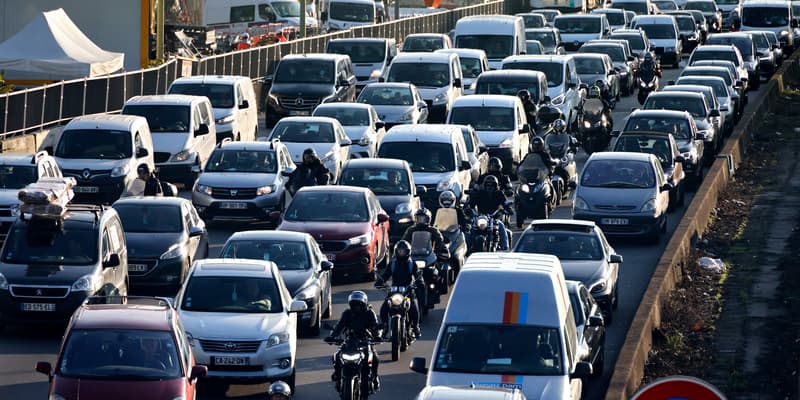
(648, 56)
(422, 216)
(495, 165)
(447, 199)
(524, 95)
(358, 300)
(309, 152)
(490, 183)
(280, 388)
(537, 144)
(402, 250)
(143, 169)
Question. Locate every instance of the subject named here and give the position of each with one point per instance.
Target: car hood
(170, 142)
(578, 37)
(365, 69)
(615, 196)
(90, 163)
(431, 178)
(555, 91)
(233, 326)
(590, 79)
(296, 149)
(90, 389)
(584, 271)
(494, 138)
(664, 42)
(302, 89)
(429, 93)
(327, 230)
(355, 132)
(44, 274)
(684, 145)
(149, 244)
(235, 179)
(9, 197)
(220, 113)
(389, 202)
(296, 279)
(534, 387)
(392, 113)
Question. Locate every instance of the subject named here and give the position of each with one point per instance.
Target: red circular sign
(678, 388)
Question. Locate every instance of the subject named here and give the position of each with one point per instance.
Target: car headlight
(203, 189)
(265, 190)
(396, 299)
(272, 98)
(408, 116)
(122, 170)
(307, 294)
(3, 282)
(784, 33)
(189, 338)
(182, 155)
(403, 208)
(329, 156)
(440, 98)
(444, 184)
(598, 286)
(649, 205)
(361, 240)
(524, 188)
(375, 74)
(558, 100)
(365, 140)
(580, 204)
(175, 251)
(88, 283)
(14, 210)
(507, 143)
(353, 357)
(227, 119)
(277, 339)
(482, 223)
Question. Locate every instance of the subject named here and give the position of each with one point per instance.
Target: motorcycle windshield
(646, 74)
(557, 144)
(532, 169)
(593, 106)
(445, 218)
(547, 115)
(421, 243)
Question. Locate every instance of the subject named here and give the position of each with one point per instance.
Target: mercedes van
(499, 36)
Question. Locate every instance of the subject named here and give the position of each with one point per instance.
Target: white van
(577, 29)
(238, 15)
(770, 15)
(232, 98)
(663, 32)
(437, 76)
(499, 36)
(183, 132)
(509, 323)
(370, 56)
(345, 14)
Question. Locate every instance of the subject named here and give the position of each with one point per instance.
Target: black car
(590, 326)
(304, 268)
(163, 235)
(400, 197)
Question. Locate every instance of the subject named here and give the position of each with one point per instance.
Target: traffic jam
(448, 216)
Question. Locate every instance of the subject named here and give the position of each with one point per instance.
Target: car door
(522, 134)
(464, 175)
(479, 149)
(205, 143)
(663, 195)
(194, 244)
(593, 335)
(677, 169)
(381, 229)
(324, 276)
(378, 132)
(571, 80)
(112, 278)
(423, 111)
(340, 146)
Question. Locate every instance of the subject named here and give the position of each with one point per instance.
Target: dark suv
(49, 266)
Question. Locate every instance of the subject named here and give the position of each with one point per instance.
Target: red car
(124, 348)
(347, 222)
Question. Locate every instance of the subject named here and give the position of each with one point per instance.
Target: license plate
(331, 257)
(223, 360)
(86, 189)
(614, 221)
(233, 205)
(299, 113)
(38, 307)
(137, 267)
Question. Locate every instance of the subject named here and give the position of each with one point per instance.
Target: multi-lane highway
(21, 348)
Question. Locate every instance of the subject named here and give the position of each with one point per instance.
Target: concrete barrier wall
(629, 369)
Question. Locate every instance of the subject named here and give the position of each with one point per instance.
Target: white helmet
(447, 199)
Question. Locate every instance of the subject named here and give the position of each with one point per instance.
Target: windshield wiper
(134, 377)
(621, 185)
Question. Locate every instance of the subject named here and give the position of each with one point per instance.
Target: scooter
(446, 221)
(545, 117)
(400, 332)
(485, 231)
(355, 360)
(597, 125)
(435, 267)
(536, 196)
(565, 175)
(648, 82)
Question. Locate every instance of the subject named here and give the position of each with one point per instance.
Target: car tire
(313, 330)
(329, 309)
(191, 178)
(615, 298)
(291, 380)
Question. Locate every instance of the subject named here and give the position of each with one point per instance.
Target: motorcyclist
(363, 324)
(279, 390)
(495, 168)
(560, 128)
(530, 106)
(402, 272)
(422, 223)
(448, 200)
(605, 94)
(595, 92)
(489, 200)
(309, 173)
(537, 149)
(649, 66)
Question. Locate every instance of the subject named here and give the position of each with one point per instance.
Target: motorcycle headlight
(396, 299)
(88, 283)
(203, 189)
(508, 142)
(277, 339)
(587, 124)
(3, 282)
(352, 357)
(482, 223)
(226, 119)
(408, 116)
(175, 251)
(306, 294)
(444, 184)
(524, 188)
(558, 100)
(265, 190)
(361, 240)
(182, 155)
(649, 205)
(440, 98)
(122, 170)
(365, 140)
(403, 208)
(14, 210)
(580, 204)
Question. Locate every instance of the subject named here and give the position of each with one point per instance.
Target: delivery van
(509, 323)
(499, 36)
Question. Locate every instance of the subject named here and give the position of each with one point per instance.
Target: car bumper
(359, 151)
(104, 190)
(264, 364)
(667, 57)
(256, 208)
(157, 273)
(351, 260)
(436, 112)
(11, 307)
(637, 224)
(506, 155)
(177, 172)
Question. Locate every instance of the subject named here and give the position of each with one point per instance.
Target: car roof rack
(96, 209)
(224, 142)
(137, 300)
(37, 156)
(273, 142)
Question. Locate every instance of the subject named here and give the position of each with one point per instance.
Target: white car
(240, 319)
(361, 123)
(323, 134)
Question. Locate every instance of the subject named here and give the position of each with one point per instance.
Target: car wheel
(291, 379)
(313, 330)
(329, 309)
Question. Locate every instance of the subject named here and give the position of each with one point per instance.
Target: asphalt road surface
(21, 348)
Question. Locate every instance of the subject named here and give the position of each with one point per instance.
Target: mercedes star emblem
(86, 174)
(298, 101)
(230, 346)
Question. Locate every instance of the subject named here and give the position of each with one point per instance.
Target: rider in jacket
(649, 66)
(560, 128)
(422, 221)
(489, 200)
(448, 200)
(495, 168)
(538, 150)
(363, 324)
(402, 271)
(530, 106)
(310, 172)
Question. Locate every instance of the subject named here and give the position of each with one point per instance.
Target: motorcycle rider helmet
(524, 95)
(447, 199)
(402, 250)
(422, 216)
(279, 390)
(537, 144)
(495, 165)
(490, 183)
(594, 92)
(358, 301)
(648, 56)
(559, 126)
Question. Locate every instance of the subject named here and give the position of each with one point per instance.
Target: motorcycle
(545, 117)
(648, 82)
(485, 233)
(400, 328)
(565, 176)
(597, 125)
(434, 266)
(535, 193)
(446, 221)
(355, 359)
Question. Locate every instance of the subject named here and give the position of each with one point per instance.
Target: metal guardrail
(33, 109)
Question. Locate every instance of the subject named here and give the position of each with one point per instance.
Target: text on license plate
(224, 360)
(137, 267)
(614, 221)
(86, 189)
(331, 257)
(233, 205)
(293, 112)
(38, 307)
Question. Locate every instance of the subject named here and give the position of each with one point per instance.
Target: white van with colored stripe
(509, 323)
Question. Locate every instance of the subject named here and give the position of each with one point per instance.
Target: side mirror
(612, 72)
(681, 37)
(245, 105)
(383, 218)
(465, 166)
(615, 258)
(724, 108)
(775, 47)
(326, 265)
(794, 23)
(421, 189)
(345, 142)
(585, 86)
(44, 368)
(202, 130)
(113, 261)
(666, 187)
(198, 371)
(714, 113)
(525, 128)
(381, 79)
(615, 133)
(380, 124)
(418, 365)
(458, 83)
(196, 231)
(343, 82)
(297, 306)
(699, 136)
(680, 159)
(275, 216)
(583, 370)
(422, 105)
(547, 99)
(142, 152)
(596, 320)
(482, 148)
(49, 150)
(572, 85)
(196, 169)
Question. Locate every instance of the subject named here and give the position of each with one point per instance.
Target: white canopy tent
(52, 47)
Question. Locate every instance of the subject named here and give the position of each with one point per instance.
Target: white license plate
(224, 360)
(299, 113)
(233, 205)
(137, 267)
(614, 221)
(86, 189)
(331, 257)
(38, 307)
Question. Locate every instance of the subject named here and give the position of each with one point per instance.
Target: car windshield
(347, 116)
(705, 6)
(533, 47)
(332, 206)
(495, 46)
(423, 44)
(693, 105)
(658, 31)
(470, 67)
(589, 65)
(40, 241)
(382, 181)
(101, 144)
(679, 128)
(499, 350)
(423, 75)
(745, 45)
(253, 161)
(359, 52)
(162, 118)
(120, 355)
(289, 9)
(666, 5)
(552, 70)
(305, 71)
(221, 96)
(578, 24)
(621, 174)
(638, 7)
(727, 1)
(484, 118)
(353, 12)
(658, 147)
(576, 310)
(303, 132)
(507, 87)
(231, 294)
(771, 38)
(150, 218)
(701, 72)
(615, 18)
(288, 256)
(467, 133)
(17, 176)
(719, 87)
(567, 246)
(685, 23)
(760, 41)
(635, 41)
(422, 157)
(532, 21)
(715, 55)
(547, 39)
(766, 17)
(378, 95)
(616, 53)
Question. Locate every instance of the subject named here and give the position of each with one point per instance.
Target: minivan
(663, 32)
(509, 323)
(345, 14)
(499, 36)
(771, 15)
(473, 63)
(577, 29)
(370, 56)
(640, 7)
(438, 77)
